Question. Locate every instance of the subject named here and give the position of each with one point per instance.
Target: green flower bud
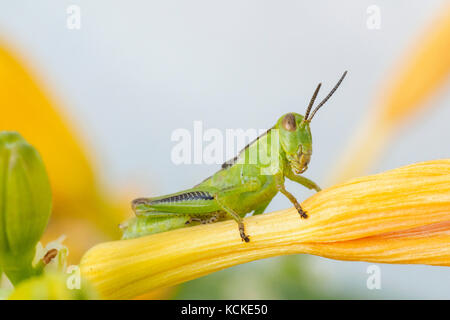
(25, 205)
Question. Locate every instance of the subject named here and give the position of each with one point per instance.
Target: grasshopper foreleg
(303, 181)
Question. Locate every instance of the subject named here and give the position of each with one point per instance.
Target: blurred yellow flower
(399, 216)
(27, 109)
(52, 286)
(82, 208)
(421, 72)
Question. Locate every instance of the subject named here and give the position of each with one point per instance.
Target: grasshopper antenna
(312, 102)
(326, 98)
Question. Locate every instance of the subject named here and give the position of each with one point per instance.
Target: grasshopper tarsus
(244, 237)
(301, 212)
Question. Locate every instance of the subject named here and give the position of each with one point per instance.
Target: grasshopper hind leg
(189, 202)
(139, 201)
(149, 224)
(197, 205)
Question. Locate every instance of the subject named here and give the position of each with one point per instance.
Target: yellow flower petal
(399, 216)
(158, 294)
(423, 70)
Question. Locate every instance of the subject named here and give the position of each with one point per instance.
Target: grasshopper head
(295, 140)
(295, 133)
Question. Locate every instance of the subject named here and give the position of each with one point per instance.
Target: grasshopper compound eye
(289, 123)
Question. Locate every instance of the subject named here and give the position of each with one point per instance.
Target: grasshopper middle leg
(238, 219)
(282, 189)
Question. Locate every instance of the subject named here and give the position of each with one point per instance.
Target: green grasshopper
(241, 186)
